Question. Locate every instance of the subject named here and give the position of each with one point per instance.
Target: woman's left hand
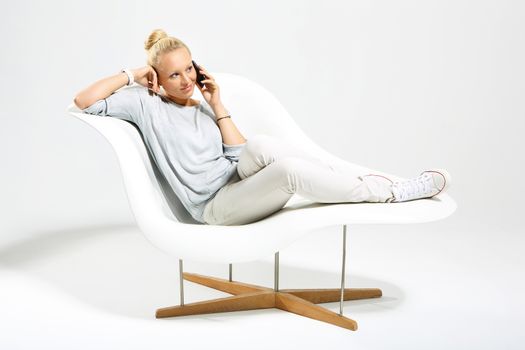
(210, 91)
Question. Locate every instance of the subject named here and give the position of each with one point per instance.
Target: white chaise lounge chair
(168, 226)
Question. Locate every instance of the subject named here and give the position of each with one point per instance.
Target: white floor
(444, 287)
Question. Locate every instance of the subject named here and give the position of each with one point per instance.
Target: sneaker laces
(413, 188)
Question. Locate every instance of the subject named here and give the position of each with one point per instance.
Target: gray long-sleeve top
(185, 142)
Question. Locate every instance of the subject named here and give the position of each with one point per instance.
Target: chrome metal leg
(181, 279)
(276, 272)
(230, 272)
(343, 273)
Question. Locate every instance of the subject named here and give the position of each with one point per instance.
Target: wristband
(131, 78)
(228, 116)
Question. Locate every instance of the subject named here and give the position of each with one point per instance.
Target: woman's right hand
(147, 77)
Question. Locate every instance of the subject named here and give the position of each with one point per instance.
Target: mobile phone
(200, 76)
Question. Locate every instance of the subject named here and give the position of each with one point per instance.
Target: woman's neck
(184, 102)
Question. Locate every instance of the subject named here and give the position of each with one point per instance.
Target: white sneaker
(427, 185)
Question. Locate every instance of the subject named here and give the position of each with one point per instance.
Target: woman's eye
(174, 74)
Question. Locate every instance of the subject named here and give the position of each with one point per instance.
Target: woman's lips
(188, 88)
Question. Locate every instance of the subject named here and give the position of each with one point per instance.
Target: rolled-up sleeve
(126, 103)
(232, 152)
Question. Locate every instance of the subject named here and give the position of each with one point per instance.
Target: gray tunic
(184, 141)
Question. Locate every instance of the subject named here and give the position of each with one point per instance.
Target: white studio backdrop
(400, 86)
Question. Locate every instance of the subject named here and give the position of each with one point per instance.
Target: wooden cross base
(251, 297)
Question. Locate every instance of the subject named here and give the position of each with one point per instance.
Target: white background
(400, 86)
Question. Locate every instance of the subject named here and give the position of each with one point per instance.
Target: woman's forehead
(174, 61)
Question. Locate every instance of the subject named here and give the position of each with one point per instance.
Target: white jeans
(270, 172)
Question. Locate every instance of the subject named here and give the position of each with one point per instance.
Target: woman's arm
(230, 133)
(211, 93)
(100, 90)
(105, 87)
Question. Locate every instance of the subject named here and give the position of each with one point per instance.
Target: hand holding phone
(200, 76)
(210, 90)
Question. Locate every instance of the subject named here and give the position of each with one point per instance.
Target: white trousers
(270, 172)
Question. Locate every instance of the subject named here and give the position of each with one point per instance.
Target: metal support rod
(230, 272)
(181, 279)
(343, 272)
(276, 272)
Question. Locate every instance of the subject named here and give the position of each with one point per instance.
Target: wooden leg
(291, 303)
(224, 285)
(250, 297)
(248, 301)
(319, 296)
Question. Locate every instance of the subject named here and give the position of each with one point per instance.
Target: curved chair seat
(167, 225)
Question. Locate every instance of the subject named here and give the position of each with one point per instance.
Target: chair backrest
(255, 111)
(148, 194)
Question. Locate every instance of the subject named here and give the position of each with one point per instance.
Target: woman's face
(175, 72)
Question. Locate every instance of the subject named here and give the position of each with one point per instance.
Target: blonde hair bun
(155, 37)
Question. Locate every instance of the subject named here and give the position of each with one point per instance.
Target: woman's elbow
(80, 103)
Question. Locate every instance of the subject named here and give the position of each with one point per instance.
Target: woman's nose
(186, 79)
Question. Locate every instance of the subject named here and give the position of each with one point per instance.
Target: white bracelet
(131, 78)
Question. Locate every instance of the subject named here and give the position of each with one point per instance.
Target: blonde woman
(220, 177)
